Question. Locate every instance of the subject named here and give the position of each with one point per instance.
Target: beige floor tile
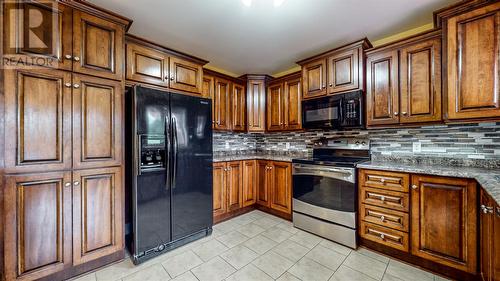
(345, 273)
(277, 234)
(152, 273)
(244, 219)
(369, 266)
(307, 269)
(388, 277)
(408, 273)
(291, 250)
(288, 226)
(187, 276)
(249, 273)
(260, 244)
(287, 276)
(250, 230)
(117, 271)
(326, 257)
(266, 222)
(272, 264)
(87, 277)
(179, 264)
(373, 254)
(239, 256)
(232, 239)
(214, 270)
(306, 239)
(210, 249)
(439, 278)
(226, 226)
(336, 247)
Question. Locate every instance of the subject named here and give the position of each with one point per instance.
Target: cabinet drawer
(387, 199)
(384, 217)
(385, 180)
(383, 235)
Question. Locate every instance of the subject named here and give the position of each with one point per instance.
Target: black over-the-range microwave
(341, 111)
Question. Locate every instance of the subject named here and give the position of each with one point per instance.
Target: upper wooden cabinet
(207, 87)
(73, 36)
(238, 108)
(284, 104)
(472, 62)
(336, 71)
(150, 63)
(444, 233)
(222, 104)
(404, 81)
(256, 102)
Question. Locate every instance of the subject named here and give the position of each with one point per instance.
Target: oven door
(325, 192)
(322, 113)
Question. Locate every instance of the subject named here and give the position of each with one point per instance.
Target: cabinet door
(420, 74)
(38, 119)
(219, 188)
(37, 225)
(444, 233)
(185, 75)
(238, 101)
(489, 242)
(314, 79)
(293, 104)
(51, 42)
(473, 55)
(207, 87)
(382, 96)
(263, 183)
(281, 187)
(256, 106)
(222, 104)
(234, 185)
(275, 108)
(343, 72)
(249, 182)
(97, 46)
(97, 122)
(147, 65)
(97, 213)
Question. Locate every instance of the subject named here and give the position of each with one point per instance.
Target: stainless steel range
(325, 189)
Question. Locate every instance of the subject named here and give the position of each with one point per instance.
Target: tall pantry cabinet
(62, 143)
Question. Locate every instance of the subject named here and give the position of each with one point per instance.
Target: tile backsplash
(455, 144)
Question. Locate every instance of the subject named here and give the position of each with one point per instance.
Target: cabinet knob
(382, 236)
(486, 209)
(76, 183)
(68, 57)
(404, 113)
(172, 78)
(67, 184)
(382, 180)
(324, 86)
(382, 218)
(331, 85)
(76, 58)
(68, 85)
(414, 186)
(76, 86)
(382, 198)
(396, 113)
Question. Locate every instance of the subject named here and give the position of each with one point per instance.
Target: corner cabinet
(256, 102)
(472, 61)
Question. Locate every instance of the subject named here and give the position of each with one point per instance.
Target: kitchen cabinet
(238, 108)
(263, 183)
(249, 182)
(275, 185)
(207, 89)
(256, 102)
(153, 64)
(472, 63)
(489, 238)
(227, 187)
(284, 100)
(222, 104)
(234, 185)
(404, 81)
(336, 71)
(219, 188)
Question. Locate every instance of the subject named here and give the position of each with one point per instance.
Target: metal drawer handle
(382, 218)
(384, 235)
(382, 180)
(486, 209)
(382, 197)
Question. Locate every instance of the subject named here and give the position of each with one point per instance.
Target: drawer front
(385, 180)
(384, 217)
(385, 236)
(387, 199)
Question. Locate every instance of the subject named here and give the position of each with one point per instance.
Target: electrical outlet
(417, 147)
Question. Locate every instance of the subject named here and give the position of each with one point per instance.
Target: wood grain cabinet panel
(263, 183)
(275, 107)
(489, 243)
(219, 188)
(256, 105)
(385, 217)
(147, 65)
(38, 119)
(343, 71)
(314, 79)
(281, 187)
(382, 96)
(420, 78)
(385, 236)
(53, 39)
(97, 122)
(249, 182)
(385, 180)
(472, 63)
(444, 221)
(234, 185)
(207, 87)
(383, 198)
(97, 213)
(37, 225)
(185, 75)
(222, 104)
(97, 46)
(293, 104)
(238, 105)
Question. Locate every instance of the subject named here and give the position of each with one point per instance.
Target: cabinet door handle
(68, 57)
(76, 86)
(382, 218)
(76, 59)
(67, 184)
(414, 186)
(486, 209)
(171, 78)
(331, 85)
(396, 113)
(382, 180)
(76, 183)
(404, 113)
(68, 85)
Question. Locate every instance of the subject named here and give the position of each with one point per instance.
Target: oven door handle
(324, 172)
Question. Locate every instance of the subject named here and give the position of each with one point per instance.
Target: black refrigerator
(169, 171)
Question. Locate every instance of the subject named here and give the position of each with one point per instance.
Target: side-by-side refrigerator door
(191, 165)
(152, 192)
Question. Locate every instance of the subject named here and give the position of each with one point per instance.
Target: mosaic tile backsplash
(455, 144)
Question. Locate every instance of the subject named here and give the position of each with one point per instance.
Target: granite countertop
(262, 156)
(489, 179)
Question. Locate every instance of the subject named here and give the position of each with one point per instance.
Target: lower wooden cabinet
(52, 216)
(227, 187)
(275, 185)
(489, 239)
(249, 182)
(219, 188)
(263, 183)
(234, 185)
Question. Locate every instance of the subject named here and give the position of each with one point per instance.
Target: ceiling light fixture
(278, 3)
(247, 3)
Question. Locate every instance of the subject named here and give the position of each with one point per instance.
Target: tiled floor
(259, 246)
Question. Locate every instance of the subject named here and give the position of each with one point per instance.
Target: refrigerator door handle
(168, 151)
(175, 143)
(139, 156)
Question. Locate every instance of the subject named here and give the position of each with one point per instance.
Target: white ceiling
(263, 38)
